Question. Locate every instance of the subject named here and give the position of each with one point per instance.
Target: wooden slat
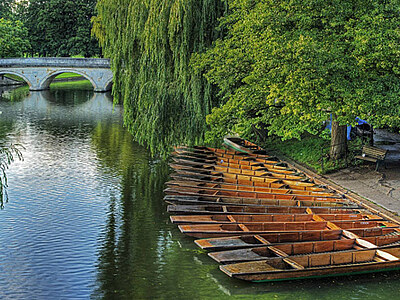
(386, 255)
(278, 251)
(365, 244)
(293, 264)
(262, 240)
(243, 227)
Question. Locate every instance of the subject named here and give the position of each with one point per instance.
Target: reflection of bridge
(40, 72)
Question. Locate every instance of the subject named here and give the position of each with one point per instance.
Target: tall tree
(13, 39)
(61, 27)
(292, 64)
(150, 43)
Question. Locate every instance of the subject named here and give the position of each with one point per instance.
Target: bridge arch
(21, 75)
(109, 83)
(46, 81)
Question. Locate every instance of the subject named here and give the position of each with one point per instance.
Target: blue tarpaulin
(359, 121)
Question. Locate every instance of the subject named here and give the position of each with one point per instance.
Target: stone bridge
(40, 72)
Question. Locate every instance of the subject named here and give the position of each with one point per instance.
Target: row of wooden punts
(263, 220)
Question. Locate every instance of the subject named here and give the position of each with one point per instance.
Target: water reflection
(10, 93)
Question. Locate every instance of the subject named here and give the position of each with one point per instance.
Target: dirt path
(381, 187)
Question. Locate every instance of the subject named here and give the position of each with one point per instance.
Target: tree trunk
(338, 140)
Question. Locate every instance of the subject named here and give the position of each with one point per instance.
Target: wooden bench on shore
(372, 154)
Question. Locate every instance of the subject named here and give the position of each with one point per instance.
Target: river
(85, 217)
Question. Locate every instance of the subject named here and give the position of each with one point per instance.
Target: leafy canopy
(6, 8)
(290, 64)
(13, 39)
(60, 27)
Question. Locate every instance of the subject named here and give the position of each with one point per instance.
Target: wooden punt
(247, 196)
(247, 189)
(237, 180)
(229, 219)
(196, 200)
(252, 210)
(262, 172)
(221, 230)
(242, 145)
(226, 161)
(344, 224)
(377, 236)
(316, 265)
(210, 150)
(305, 183)
(238, 168)
(230, 157)
(288, 249)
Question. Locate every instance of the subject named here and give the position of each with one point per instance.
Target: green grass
(14, 77)
(81, 84)
(313, 151)
(68, 75)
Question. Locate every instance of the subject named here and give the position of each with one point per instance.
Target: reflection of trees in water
(132, 236)
(138, 258)
(67, 97)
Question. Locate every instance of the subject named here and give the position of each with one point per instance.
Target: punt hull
(199, 200)
(319, 274)
(242, 145)
(228, 219)
(316, 265)
(378, 237)
(255, 210)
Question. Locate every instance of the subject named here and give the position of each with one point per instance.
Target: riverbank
(379, 190)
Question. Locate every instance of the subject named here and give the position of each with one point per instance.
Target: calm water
(85, 217)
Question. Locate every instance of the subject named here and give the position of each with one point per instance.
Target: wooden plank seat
(372, 154)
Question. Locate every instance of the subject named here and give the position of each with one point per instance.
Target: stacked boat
(263, 220)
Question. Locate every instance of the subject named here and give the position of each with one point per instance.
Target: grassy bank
(13, 77)
(313, 152)
(67, 75)
(80, 84)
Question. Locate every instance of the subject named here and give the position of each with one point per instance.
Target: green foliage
(7, 156)
(60, 28)
(150, 43)
(13, 39)
(6, 8)
(288, 65)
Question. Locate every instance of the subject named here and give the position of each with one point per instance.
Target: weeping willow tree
(7, 156)
(150, 44)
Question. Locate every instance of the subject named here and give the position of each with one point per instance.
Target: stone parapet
(55, 62)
